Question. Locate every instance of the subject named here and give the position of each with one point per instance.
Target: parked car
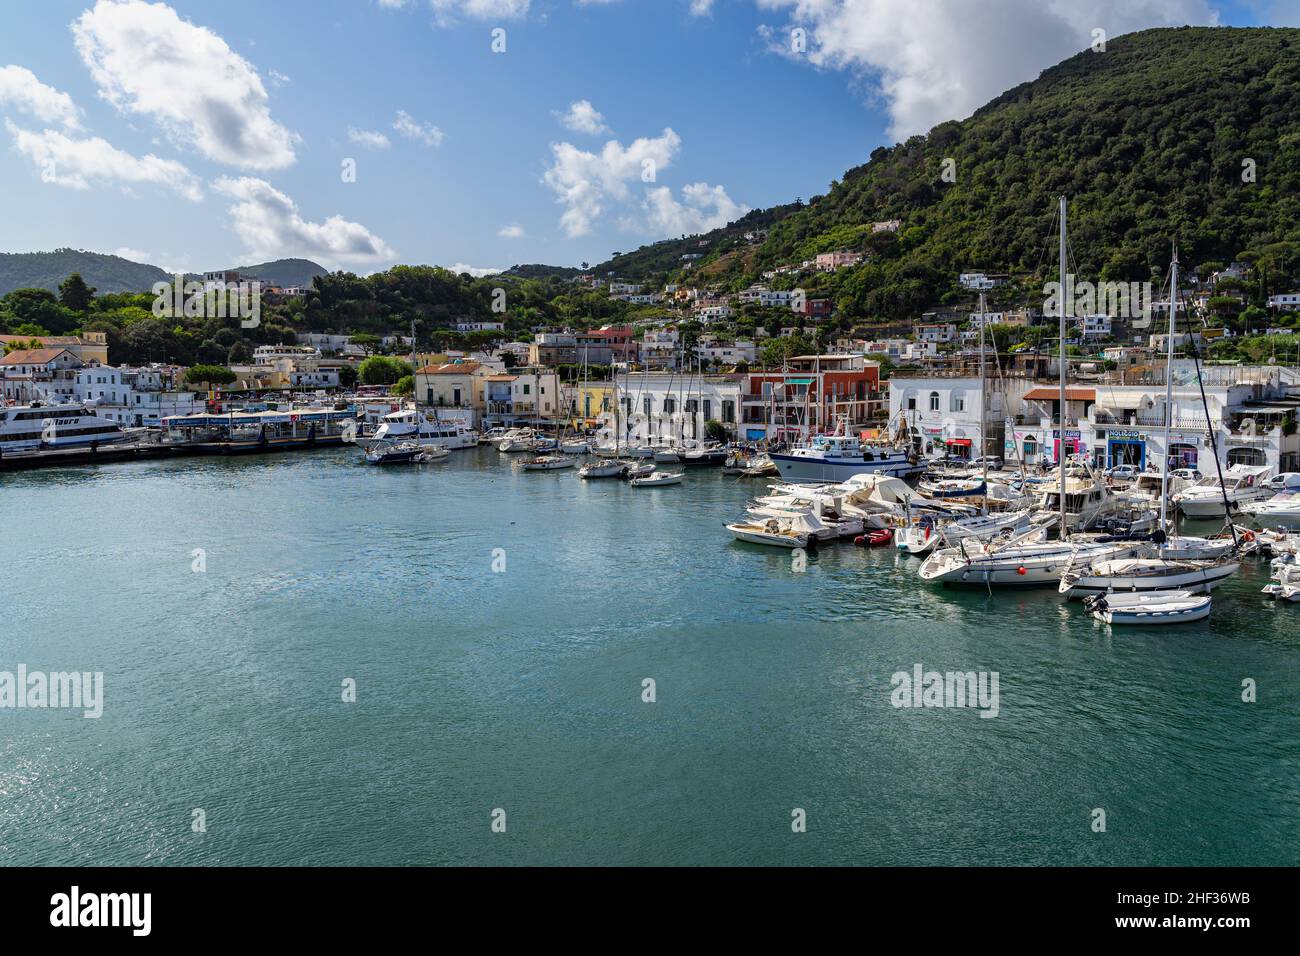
(1122, 472)
(1287, 481)
(993, 461)
(1187, 474)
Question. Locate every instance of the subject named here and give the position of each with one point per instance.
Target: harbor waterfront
(499, 625)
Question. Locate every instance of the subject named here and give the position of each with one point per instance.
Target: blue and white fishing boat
(838, 457)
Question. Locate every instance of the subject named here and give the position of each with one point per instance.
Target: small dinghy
(431, 453)
(1149, 607)
(876, 539)
(548, 463)
(658, 479)
(638, 471)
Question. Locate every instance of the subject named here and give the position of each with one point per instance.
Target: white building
(715, 313)
(946, 412)
(480, 326)
(739, 351)
(132, 397)
(1289, 301)
(657, 407)
(938, 332)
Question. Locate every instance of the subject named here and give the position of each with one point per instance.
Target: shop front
(1126, 448)
(1073, 442)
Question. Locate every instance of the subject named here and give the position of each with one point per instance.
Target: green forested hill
(45, 270)
(1148, 139)
(284, 272)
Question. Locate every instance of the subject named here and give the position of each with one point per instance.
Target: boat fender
(1021, 571)
(860, 541)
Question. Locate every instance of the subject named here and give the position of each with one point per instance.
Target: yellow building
(590, 401)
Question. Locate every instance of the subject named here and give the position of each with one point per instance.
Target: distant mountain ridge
(45, 270)
(110, 273)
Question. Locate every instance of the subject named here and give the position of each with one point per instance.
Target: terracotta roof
(503, 378)
(1049, 393)
(31, 356)
(451, 368)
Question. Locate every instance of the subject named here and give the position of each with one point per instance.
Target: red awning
(1072, 394)
(964, 442)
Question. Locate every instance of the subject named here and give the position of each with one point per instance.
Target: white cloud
(936, 60)
(277, 78)
(425, 133)
(704, 207)
(582, 117)
(448, 11)
(21, 90)
(135, 255)
(368, 138)
(146, 60)
(584, 182)
(512, 231)
(476, 271)
(77, 163)
(701, 8)
(271, 226)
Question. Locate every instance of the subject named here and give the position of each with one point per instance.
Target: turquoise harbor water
(522, 690)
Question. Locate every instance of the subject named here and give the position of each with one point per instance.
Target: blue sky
(227, 142)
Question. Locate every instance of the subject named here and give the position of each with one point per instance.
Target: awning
(963, 442)
(796, 381)
(1053, 393)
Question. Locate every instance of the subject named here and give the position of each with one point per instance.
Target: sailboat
(1156, 570)
(1026, 559)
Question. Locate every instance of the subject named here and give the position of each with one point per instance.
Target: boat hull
(1197, 581)
(800, 468)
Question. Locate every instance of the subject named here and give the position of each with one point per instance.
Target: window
(649, 408)
(728, 411)
(526, 387)
(708, 409)
(670, 405)
(957, 402)
(934, 401)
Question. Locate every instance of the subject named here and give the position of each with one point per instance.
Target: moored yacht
(1241, 485)
(840, 456)
(424, 429)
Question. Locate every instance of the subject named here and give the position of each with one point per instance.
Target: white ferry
(66, 425)
(836, 458)
(425, 429)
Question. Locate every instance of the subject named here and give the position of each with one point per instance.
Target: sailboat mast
(1169, 389)
(1065, 297)
(984, 451)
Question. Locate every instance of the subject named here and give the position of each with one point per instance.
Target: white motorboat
(516, 440)
(918, 538)
(1147, 572)
(1088, 502)
(1241, 485)
(575, 448)
(639, 470)
(1286, 579)
(667, 456)
(393, 453)
(424, 428)
(658, 479)
(1153, 607)
(840, 456)
(1278, 541)
(1282, 510)
(432, 453)
(796, 531)
(549, 463)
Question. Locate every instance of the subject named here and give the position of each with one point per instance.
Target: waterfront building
(813, 394)
(453, 385)
(941, 333)
(133, 397)
(521, 397)
(945, 411)
(658, 407)
(30, 375)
